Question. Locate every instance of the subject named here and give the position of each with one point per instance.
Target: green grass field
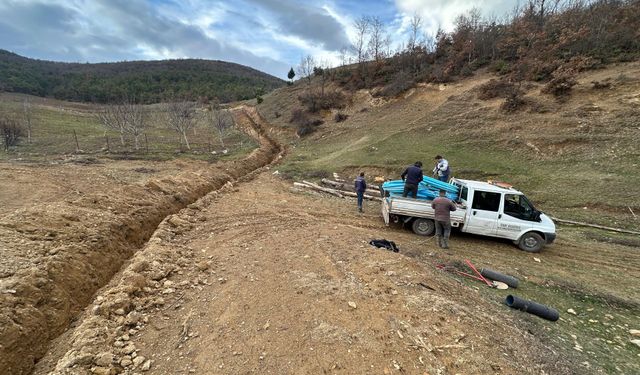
(55, 122)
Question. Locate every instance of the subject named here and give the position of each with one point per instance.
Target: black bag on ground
(389, 245)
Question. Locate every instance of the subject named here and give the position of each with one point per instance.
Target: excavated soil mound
(58, 254)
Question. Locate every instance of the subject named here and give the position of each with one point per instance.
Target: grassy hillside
(146, 81)
(56, 124)
(576, 159)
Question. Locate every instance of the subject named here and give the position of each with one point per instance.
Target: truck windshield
(519, 207)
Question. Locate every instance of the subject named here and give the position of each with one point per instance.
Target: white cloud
(442, 13)
(270, 35)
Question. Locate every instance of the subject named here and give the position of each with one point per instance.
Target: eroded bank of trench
(91, 238)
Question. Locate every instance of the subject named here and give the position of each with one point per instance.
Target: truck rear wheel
(531, 242)
(424, 227)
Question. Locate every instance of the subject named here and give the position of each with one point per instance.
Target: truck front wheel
(424, 227)
(531, 242)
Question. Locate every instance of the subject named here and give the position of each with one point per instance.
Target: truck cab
(499, 210)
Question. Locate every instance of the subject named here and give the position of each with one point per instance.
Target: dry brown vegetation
(540, 41)
(10, 131)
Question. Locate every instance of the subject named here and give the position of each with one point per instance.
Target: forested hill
(145, 81)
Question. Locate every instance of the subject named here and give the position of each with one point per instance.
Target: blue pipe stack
(428, 189)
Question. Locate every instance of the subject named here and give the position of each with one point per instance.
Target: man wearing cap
(441, 171)
(443, 207)
(412, 177)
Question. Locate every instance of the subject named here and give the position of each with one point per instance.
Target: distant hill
(146, 81)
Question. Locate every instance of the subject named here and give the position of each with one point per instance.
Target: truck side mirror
(536, 216)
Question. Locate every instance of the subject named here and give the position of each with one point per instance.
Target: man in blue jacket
(412, 177)
(361, 186)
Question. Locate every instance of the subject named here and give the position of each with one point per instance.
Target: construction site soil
(68, 229)
(179, 268)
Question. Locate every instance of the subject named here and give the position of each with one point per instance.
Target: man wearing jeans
(443, 207)
(412, 177)
(360, 186)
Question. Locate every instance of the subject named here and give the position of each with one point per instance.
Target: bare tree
(113, 117)
(430, 41)
(10, 131)
(220, 119)
(414, 33)
(344, 55)
(360, 44)
(305, 69)
(134, 121)
(181, 117)
(127, 117)
(378, 39)
(28, 118)
(322, 71)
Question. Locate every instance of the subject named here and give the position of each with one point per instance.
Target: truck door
(517, 215)
(483, 218)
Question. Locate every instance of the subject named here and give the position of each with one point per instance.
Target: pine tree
(291, 75)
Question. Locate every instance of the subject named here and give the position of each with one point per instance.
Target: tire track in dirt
(266, 289)
(94, 236)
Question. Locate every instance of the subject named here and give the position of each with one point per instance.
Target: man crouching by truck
(412, 177)
(443, 207)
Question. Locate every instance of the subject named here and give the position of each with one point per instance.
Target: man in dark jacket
(361, 186)
(412, 177)
(443, 207)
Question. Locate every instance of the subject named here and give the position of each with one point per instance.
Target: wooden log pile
(371, 189)
(369, 194)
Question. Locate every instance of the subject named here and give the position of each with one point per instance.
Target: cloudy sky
(269, 35)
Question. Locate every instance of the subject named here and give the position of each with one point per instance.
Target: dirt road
(259, 280)
(257, 277)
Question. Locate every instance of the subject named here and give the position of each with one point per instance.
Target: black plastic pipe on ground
(497, 276)
(545, 312)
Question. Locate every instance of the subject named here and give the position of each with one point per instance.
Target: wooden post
(146, 143)
(107, 138)
(76, 138)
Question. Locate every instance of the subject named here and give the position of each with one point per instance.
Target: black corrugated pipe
(497, 276)
(531, 307)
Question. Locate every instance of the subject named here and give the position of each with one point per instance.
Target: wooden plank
(578, 223)
(342, 194)
(345, 186)
(319, 188)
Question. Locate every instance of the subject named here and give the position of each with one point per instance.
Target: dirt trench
(274, 280)
(88, 240)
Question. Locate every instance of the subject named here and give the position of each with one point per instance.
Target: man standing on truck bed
(441, 171)
(443, 207)
(360, 186)
(412, 177)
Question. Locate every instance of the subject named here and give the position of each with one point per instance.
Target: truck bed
(416, 208)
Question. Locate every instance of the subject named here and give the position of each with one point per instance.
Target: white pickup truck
(483, 208)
